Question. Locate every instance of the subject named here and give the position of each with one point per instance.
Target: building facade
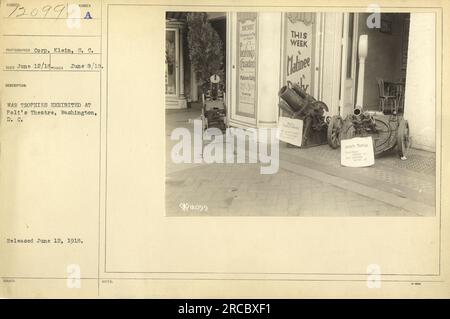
(323, 53)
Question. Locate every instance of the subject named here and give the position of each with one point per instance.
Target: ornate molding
(244, 16)
(306, 17)
(175, 24)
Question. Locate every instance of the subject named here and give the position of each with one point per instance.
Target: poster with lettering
(290, 131)
(357, 152)
(246, 64)
(299, 49)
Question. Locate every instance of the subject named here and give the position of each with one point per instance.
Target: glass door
(172, 62)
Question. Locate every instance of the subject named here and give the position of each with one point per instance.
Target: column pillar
(362, 54)
(331, 57)
(178, 100)
(269, 67)
(182, 103)
(420, 94)
(181, 59)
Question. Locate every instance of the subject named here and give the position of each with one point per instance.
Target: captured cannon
(214, 112)
(388, 130)
(298, 104)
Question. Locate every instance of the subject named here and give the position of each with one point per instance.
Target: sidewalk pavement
(310, 182)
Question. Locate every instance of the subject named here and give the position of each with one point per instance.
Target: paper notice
(290, 131)
(357, 152)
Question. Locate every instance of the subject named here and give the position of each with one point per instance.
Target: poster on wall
(299, 49)
(246, 64)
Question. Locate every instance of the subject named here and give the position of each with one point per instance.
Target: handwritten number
(21, 14)
(60, 11)
(46, 10)
(17, 6)
(20, 11)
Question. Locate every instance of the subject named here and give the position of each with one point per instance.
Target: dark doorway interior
(387, 54)
(220, 25)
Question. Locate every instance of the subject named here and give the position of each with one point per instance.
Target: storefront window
(170, 62)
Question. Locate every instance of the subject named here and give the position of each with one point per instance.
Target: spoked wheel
(403, 140)
(383, 138)
(334, 131)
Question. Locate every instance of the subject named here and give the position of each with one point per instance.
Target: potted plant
(206, 55)
(205, 48)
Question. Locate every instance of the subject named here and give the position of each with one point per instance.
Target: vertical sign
(246, 64)
(299, 49)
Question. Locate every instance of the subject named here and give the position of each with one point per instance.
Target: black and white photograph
(300, 114)
(248, 149)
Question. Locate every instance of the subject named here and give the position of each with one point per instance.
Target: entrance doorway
(219, 23)
(182, 83)
(385, 64)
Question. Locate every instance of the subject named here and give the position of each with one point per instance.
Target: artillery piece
(214, 112)
(388, 130)
(298, 104)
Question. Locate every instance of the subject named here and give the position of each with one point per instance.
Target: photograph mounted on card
(141, 155)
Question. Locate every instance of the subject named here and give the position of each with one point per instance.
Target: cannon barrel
(297, 89)
(291, 98)
(286, 107)
(357, 111)
(300, 102)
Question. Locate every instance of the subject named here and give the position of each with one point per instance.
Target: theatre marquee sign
(298, 58)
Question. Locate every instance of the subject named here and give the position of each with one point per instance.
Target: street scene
(310, 182)
(320, 94)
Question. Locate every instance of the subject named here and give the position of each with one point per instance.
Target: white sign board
(290, 131)
(299, 46)
(246, 64)
(357, 152)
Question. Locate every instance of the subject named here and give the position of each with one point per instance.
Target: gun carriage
(298, 104)
(213, 105)
(387, 127)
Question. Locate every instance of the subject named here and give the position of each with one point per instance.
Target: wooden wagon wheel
(382, 141)
(403, 140)
(334, 131)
